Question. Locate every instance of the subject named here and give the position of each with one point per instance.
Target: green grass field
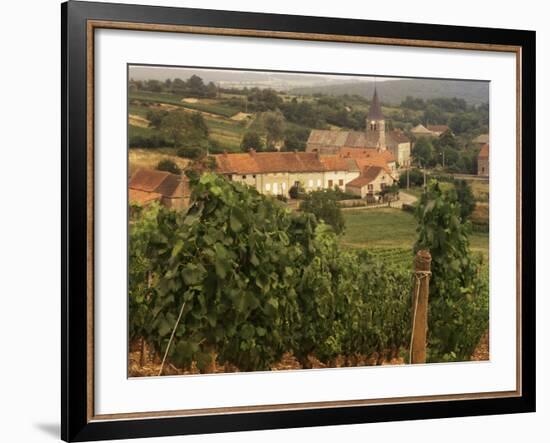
(228, 133)
(384, 229)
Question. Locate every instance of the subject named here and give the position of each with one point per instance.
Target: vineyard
(241, 283)
(399, 257)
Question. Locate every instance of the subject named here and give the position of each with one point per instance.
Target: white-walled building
(274, 173)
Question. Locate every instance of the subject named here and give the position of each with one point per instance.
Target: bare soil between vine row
(152, 363)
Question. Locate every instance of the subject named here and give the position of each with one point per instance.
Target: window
(253, 175)
(330, 183)
(267, 187)
(340, 182)
(244, 177)
(275, 188)
(310, 183)
(370, 187)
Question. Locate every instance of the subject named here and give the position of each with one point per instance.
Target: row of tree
(194, 86)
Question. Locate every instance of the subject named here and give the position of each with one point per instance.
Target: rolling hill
(394, 91)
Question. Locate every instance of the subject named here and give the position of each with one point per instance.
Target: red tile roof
(143, 197)
(368, 176)
(268, 162)
(350, 159)
(377, 155)
(160, 182)
(147, 179)
(336, 163)
(484, 152)
(363, 163)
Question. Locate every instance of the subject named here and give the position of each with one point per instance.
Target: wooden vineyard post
(422, 265)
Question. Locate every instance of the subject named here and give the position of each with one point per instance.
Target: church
(375, 137)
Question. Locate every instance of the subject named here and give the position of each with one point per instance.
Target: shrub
(168, 166)
(191, 152)
(416, 178)
(251, 140)
(296, 191)
(153, 141)
(324, 206)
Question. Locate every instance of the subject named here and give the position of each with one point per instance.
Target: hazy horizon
(473, 91)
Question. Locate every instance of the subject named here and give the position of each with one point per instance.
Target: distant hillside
(394, 91)
(234, 79)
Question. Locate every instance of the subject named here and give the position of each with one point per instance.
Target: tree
(155, 117)
(416, 178)
(296, 138)
(211, 90)
(251, 140)
(196, 86)
(434, 116)
(446, 140)
(168, 166)
(324, 205)
(465, 198)
(184, 129)
(274, 125)
(423, 151)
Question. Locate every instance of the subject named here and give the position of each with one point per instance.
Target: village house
(339, 170)
(274, 173)
(483, 161)
(372, 181)
(375, 137)
(429, 131)
(481, 140)
(149, 185)
(374, 157)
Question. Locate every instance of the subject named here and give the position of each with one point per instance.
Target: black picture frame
(76, 424)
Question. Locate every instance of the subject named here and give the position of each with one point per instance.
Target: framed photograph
(277, 221)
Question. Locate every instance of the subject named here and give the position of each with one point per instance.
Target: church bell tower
(376, 124)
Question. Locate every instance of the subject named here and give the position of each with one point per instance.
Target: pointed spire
(375, 111)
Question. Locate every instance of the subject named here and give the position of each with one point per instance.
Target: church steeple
(375, 122)
(375, 111)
